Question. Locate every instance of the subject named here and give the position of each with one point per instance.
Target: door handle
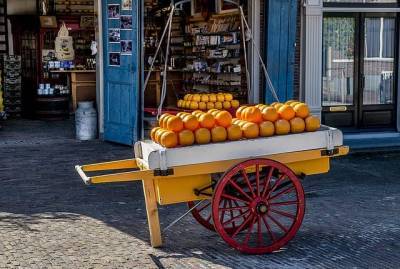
(362, 81)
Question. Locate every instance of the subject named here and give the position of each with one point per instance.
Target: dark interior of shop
(206, 54)
(40, 83)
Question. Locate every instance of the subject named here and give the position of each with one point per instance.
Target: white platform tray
(158, 157)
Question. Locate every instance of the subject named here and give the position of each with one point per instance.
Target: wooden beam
(152, 213)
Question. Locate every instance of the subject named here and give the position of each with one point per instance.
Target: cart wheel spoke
(204, 206)
(267, 181)
(271, 235)
(278, 223)
(246, 179)
(284, 203)
(286, 191)
(258, 179)
(203, 214)
(239, 208)
(242, 226)
(235, 218)
(223, 212)
(240, 190)
(285, 214)
(259, 232)
(227, 196)
(271, 203)
(231, 213)
(249, 230)
(277, 183)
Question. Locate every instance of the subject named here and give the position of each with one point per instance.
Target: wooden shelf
(215, 33)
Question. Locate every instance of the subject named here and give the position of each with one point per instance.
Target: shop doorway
(206, 56)
(359, 70)
(121, 50)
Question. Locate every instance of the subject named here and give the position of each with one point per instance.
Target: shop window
(372, 37)
(378, 64)
(379, 36)
(338, 61)
(388, 35)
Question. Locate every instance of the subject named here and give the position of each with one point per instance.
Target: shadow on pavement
(351, 214)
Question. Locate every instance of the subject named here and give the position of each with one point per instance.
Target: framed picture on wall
(126, 47)
(126, 5)
(114, 59)
(224, 6)
(113, 11)
(126, 22)
(114, 35)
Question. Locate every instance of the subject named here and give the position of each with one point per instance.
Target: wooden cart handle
(82, 174)
(136, 175)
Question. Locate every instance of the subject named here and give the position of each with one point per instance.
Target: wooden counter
(83, 85)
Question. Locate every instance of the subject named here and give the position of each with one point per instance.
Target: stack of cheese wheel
(198, 127)
(275, 119)
(208, 101)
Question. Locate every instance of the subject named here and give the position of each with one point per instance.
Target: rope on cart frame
(245, 55)
(164, 86)
(184, 215)
(156, 53)
(169, 28)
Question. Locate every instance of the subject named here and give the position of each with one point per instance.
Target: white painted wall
(312, 55)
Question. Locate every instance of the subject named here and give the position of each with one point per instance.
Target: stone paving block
(50, 219)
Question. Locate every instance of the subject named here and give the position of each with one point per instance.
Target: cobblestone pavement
(49, 219)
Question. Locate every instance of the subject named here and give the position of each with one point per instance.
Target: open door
(121, 75)
(281, 46)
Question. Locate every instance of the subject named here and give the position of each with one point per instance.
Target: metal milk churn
(86, 121)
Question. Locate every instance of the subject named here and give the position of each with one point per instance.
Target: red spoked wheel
(265, 206)
(203, 214)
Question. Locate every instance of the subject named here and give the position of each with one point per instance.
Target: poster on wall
(114, 59)
(114, 35)
(126, 22)
(113, 11)
(126, 5)
(126, 47)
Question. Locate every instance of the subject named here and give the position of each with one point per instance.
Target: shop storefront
(206, 56)
(350, 63)
(54, 67)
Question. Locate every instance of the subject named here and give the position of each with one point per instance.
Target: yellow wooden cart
(248, 191)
